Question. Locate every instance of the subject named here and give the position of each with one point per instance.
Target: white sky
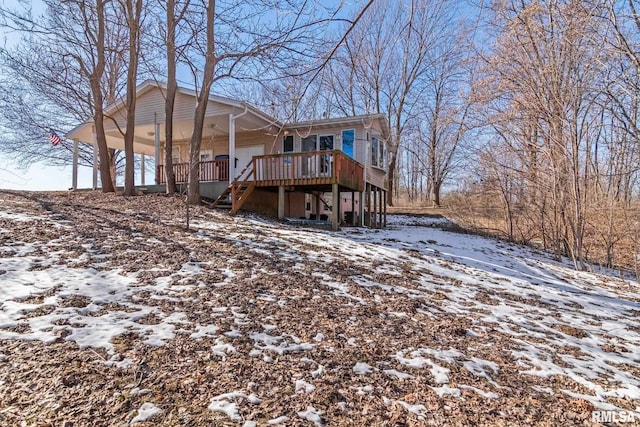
(41, 177)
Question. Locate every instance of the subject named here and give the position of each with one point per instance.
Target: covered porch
(228, 125)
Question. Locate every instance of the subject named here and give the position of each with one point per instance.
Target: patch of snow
(146, 412)
(319, 371)
(481, 392)
(304, 387)
(226, 404)
(205, 331)
(137, 391)
(398, 374)
(280, 420)
(362, 390)
(312, 414)
(418, 409)
(362, 368)
(222, 348)
(445, 390)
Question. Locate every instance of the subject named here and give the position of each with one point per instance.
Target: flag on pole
(54, 138)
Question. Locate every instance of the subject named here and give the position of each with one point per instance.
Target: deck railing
(314, 167)
(307, 168)
(210, 170)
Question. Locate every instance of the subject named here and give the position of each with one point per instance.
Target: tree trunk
(436, 193)
(103, 151)
(133, 21)
(193, 196)
(98, 114)
(171, 97)
(391, 174)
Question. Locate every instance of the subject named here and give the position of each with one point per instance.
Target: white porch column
(95, 159)
(156, 139)
(74, 173)
(142, 168)
(232, 148)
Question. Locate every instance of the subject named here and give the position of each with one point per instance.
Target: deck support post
(385, 209)
(360, 208)
(74, 172)
(142, 168)
(95, 158)
(281, 194)
(375, 208)
(335, 209)
(156, 143)
(380, 210)
(317, 195)
(367, 219)
(353, 208)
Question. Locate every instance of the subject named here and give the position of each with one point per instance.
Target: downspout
(232, 143)
(156, 146)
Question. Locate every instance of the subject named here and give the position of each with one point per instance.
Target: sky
(41, 177)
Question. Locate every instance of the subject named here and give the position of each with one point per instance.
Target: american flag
(54, 138)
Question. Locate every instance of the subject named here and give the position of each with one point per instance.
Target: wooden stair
(234, 196)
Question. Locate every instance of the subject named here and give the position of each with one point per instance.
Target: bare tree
(387, 59)
(172, 21)
(63, 57)
(132, 10)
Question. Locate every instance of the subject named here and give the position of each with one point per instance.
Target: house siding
(150, 109)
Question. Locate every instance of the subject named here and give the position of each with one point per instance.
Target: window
(206, 155)
(348, 140)
(309, 143)
(378, 153)
(326, 142)
(287, 144)
(374, 151)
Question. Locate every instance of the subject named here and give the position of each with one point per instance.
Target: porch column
(142, 168)
(95, 159)
(317, 205)
(336, 207)
(232, 148)
(156, 142)
(281, 194)
(74, 172)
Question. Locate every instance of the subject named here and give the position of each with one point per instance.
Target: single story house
(330, 169)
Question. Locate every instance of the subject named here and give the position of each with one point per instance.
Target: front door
(245, 155)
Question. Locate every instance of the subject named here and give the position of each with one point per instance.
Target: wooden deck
(314, 168)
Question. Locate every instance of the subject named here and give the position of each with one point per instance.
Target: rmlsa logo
(614, 416)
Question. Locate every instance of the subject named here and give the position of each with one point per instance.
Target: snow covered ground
(411, 323)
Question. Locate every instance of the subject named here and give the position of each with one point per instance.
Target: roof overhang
(365, 120)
